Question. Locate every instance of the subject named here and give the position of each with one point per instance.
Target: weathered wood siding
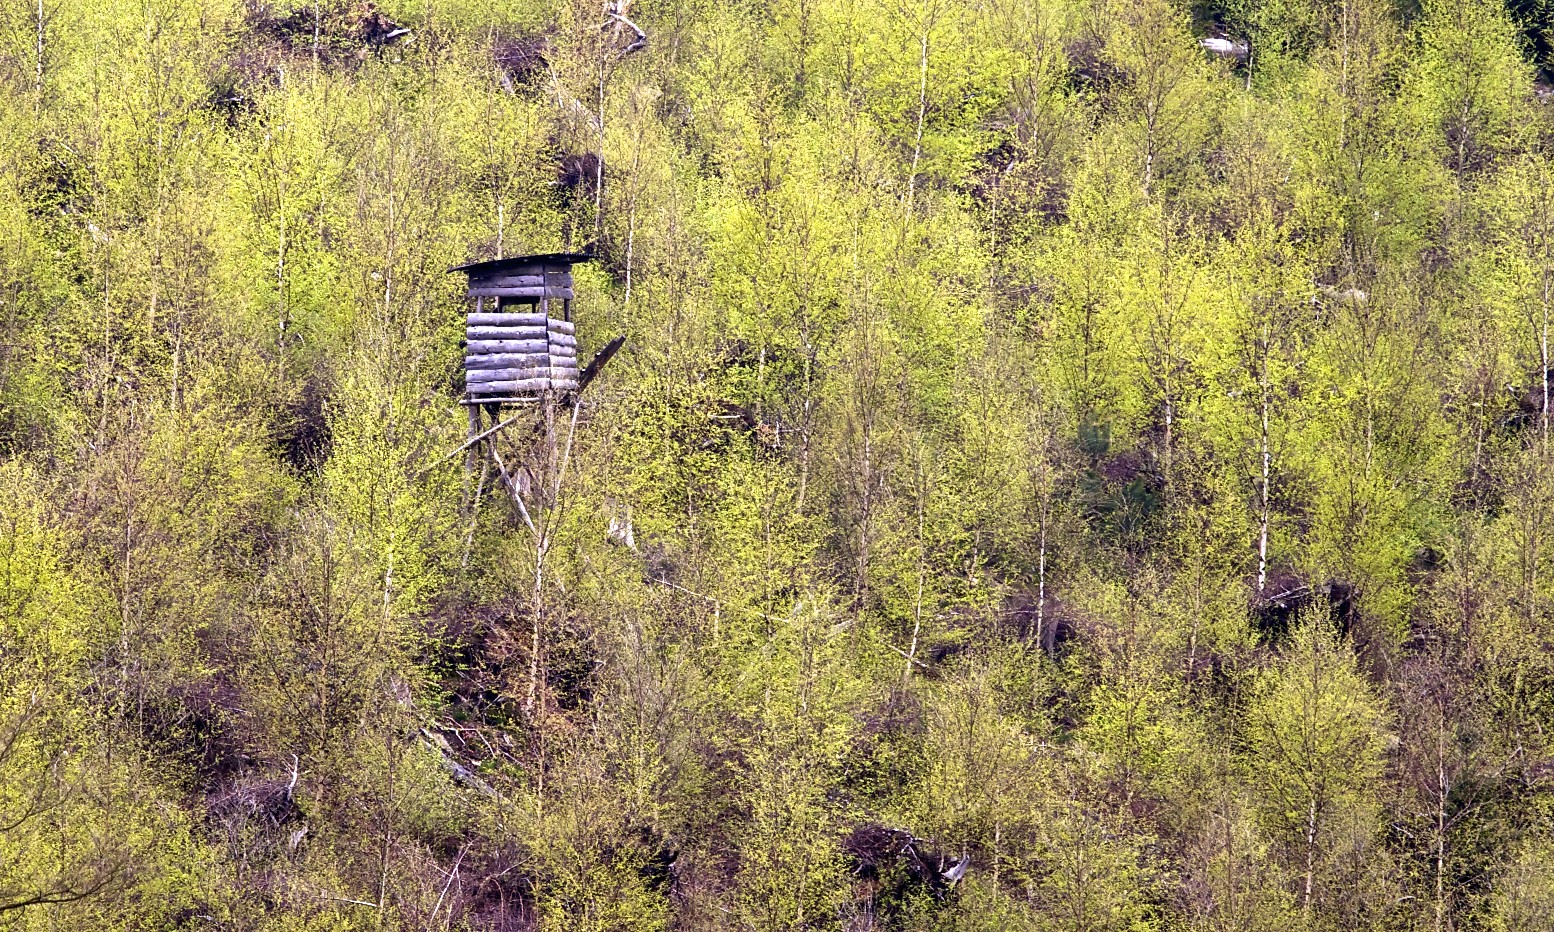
(518, 354)
(513, 346)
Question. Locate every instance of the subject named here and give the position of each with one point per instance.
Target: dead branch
(101, 878)
(637, 44)
(599, 362)
(460, 773)
(512, 488)
(341, 899)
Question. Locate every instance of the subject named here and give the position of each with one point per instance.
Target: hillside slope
(1074, 465)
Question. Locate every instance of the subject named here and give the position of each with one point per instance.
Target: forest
(1072, 465)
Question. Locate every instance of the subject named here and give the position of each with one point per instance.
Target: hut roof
(515, 263)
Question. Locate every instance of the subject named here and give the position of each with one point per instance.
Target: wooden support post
(469, 455)
(474, 511)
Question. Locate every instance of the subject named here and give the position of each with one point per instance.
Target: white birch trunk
(1267, 461)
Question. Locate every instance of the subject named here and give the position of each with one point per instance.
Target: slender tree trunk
(807, 408)
(126, 612)
(922, 569)
(631, 244)
(536, 613)
(1311, 855)
(544, 535)
(326, 626)
(541, 548)
(599, 162)
(805, 445)
(386, 849)
(388, 586)
(1440, 826)
(1262, 524)
(42, 37)
(1230, 838)
(1041, 571)
(631, 218)
(922, 111)
(1343, 81)
(177, 359)
(1197, 615)
(1149, 156)
(156, 229)
(282, 308)
(998, 839)
(107, 356)
(1543, 359)
(757, 404)
(861, 583)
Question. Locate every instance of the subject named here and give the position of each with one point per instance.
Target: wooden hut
(516, 347)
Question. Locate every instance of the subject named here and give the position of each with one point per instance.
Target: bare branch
(637, 44)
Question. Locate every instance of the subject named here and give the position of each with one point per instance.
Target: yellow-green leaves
(82, 830)
(1315, 735)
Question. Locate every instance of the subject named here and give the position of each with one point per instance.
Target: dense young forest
(1074, 465)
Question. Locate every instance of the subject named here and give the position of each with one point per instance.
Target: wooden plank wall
(520, 352)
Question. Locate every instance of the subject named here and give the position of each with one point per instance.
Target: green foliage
(1315, 738)
(1057, 477)
(82, 823)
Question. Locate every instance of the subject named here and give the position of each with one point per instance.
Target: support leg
(470, 454)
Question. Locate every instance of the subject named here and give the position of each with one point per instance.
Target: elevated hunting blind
(519, 353)
(516, 346)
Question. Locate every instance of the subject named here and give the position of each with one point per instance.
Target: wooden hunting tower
(518, 353)
(516, 348)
